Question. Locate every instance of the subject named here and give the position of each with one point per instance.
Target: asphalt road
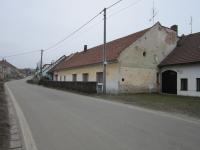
(64, 121)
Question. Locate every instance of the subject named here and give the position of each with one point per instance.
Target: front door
(169, 82)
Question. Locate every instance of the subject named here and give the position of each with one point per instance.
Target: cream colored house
(132, 61)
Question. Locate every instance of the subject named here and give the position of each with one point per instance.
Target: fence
(88, 87)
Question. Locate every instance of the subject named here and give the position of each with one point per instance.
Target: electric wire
(127, 7)
(114, 4)
(19, 54)
(74, 32)
(77, 30)
(113, 14)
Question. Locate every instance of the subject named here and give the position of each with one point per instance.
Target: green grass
(170, 103)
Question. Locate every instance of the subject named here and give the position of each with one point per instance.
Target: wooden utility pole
(41, 63)
(104, 54)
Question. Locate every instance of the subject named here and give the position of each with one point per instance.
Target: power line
(113, 4)
(29, 52)
(65, 38)
(117, 12)
(71, 34)
(77, 30)
(113, 14)
(19, 54)
(129, 6)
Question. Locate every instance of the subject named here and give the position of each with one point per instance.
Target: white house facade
(180, 70)
(187, 78)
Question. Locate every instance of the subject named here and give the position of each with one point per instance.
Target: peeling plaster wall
(112, 75)
(138, 63)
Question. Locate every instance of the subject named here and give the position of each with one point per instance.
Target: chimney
(85, 48)
(175, 28)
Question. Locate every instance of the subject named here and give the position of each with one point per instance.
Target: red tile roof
(5, 63)
(94, 55)
(186, 51)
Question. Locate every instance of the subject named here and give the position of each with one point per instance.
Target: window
(64, 78)
(60, 78)
(74, 77)
(99, 77)
(144, 54)
(198, 84)
(184, 84)
(85, 77)
(56, 77)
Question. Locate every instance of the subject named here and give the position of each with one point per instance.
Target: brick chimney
(175, 28)
(85, 48)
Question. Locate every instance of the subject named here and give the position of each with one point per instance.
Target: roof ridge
(192, 34)
(184, 52)
(114, 40)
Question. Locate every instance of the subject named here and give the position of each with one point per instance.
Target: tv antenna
(154, 13)
(191, 24)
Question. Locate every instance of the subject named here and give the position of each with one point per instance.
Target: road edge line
(29, 142)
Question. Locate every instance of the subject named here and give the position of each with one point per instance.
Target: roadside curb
(27, 139)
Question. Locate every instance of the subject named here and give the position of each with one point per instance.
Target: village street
(65, 121)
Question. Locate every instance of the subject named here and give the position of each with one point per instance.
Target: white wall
(189, 71)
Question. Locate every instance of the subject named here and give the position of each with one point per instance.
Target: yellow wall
(112, 75)
(138, 80)
(140, 72)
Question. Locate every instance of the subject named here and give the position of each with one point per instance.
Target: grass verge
(4, 120)
(169, 103)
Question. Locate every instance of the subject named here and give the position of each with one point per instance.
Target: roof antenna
(191, 23)
(154, 13)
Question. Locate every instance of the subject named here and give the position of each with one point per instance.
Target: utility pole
(41, 63)
(104, 54)
(191, 24)
(3, 71)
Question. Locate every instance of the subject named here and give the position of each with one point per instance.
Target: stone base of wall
(136, 89)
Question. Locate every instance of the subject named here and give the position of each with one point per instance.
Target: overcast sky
(27, 25)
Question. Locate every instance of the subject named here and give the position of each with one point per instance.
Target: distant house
(27, 71)
(131, 61)
(46, 69)
(180, 70)
(8, 71)
(49, 70)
